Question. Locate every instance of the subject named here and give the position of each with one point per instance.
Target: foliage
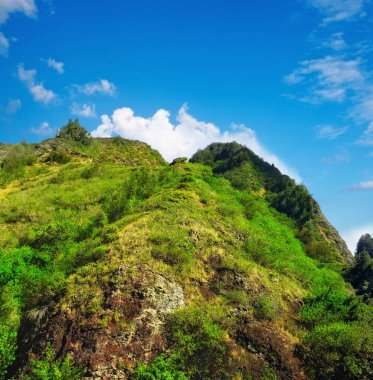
(65, 230)
(7, 349)
(162, 368)
(197, 341)
(17, 158)
(365, 243)
(340, 350)
(58, 157)
(51, 368)
(74, 131)
(361, 274)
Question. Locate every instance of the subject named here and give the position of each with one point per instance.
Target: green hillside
(117, 265)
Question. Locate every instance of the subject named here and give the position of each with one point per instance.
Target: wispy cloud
(44, 129)
(182, 138)
(85, 110)
(335, 42)
(367, 185)
(102, 87)
(367, 137)
(338, 10)
(339, 157)
(27, 7)
(4, 45)
(52, 63)
(13, 106)
(328, 132)
(38, 91)
(328, 79)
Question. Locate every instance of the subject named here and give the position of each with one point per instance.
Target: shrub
(59, 157)
(340, 351)
(7, 349)
(162, 368)
(197, 341)
(17, 158)
(74, 131)
(50, 368)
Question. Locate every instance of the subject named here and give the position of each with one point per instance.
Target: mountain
(115, 264)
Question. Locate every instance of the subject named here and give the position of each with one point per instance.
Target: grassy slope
(116, 203)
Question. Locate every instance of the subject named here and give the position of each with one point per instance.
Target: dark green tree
(74, 131)
(365, 243)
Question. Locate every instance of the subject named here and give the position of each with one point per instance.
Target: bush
(74, 131)
(50, 368)
(340, 351)
(17, 158)
(197, 341)
(59, 157)
(162, 368)
(141, 185)
(7, 349)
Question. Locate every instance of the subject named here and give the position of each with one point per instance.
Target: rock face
(127, 329)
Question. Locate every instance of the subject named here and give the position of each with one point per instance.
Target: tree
(74, 131)
(365, 243)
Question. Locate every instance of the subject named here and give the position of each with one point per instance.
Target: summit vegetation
(117, 265)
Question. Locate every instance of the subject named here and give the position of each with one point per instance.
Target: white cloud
(183, 138)
(328, 78)
(7, 7)
(367, 185)
(4, 45)
(13, 106)
(338, 10)
(85, 110)
(43, 130)
(336, 42)
(52, 63)
(329, 132)
(103, 87)
(352, 236)
(38, 91)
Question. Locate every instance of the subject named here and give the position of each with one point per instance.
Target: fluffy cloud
(4, 45)
(37, 90)
(44, 129)
(182, 138)
(7, 7)
(353, 235)
(58, 66)
(328, 132)
(103, 87)
(85, 110)
(367, 185)
(338, 10)
(13, 106)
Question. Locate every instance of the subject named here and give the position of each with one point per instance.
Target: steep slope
(116, 265)
(247, 171)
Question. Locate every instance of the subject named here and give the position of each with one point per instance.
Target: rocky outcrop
(127, 328)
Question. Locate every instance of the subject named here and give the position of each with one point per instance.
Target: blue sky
(291, 79)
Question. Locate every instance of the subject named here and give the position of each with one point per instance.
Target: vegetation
(361, 274)
(74, 131)
(87, 230)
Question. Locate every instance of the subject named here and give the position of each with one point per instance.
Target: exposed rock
(110, 342)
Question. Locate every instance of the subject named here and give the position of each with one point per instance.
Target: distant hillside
(117, 265)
